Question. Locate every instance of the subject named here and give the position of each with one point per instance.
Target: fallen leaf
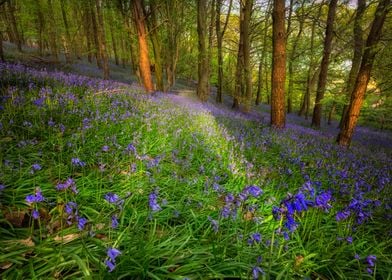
(66, 238)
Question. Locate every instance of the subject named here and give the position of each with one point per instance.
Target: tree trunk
(259, 82)
(156, 44)
(52, 32)
(239, 79)
(247, 6)
(363, 76)
(114, 43)
(16, 37)
(358, 49)
(322, 81)
(278, 77)
(331, 113)
(210, 40)
(102, 40)
(67, 39)
(1, 47)
(219, 36)
(144, 60)
(203, 63)
(95, 34)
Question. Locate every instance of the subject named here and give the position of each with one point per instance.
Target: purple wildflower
(371, 259)
(110, 264)
(254, 191)
(113, 253)
(153, 201)
(114, 221)
(256, 271)
(82, 223)
(37, 197)
(105, 148)
(214, 224)
(111, 197)
(35, 214)
(77, 162)
(36, 167)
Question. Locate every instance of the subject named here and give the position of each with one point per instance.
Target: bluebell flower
(254, 191)
(114, 221)
(342, 215)
(214, 224)
(105, 148)
(371, 259)
(323, 201)
(35, 214)
(2, 187)
(112, 197)
(153, 201)
(256, 271)
(111, 265)
(77, 162)
(36, 167)
(33, 198)
(254, 238)
(82, 223)
(113, 253)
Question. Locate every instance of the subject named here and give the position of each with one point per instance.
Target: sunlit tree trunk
(358, 49)
(363, 76)
(113, 39)
(144, 60)
(210, 39)
(95, 36)
(203, 63)
(322, 81)
(102, 40)
(278, 77)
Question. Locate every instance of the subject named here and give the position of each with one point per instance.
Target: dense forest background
(221, 46)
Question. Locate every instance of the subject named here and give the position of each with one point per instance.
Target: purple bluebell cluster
(68, 184)
(35, 199)
(153, 201)
(71, 209)
(112, 254)
(77, 162)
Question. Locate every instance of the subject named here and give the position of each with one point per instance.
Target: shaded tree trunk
(331, 113)
(203, 63)
(322, 81)
(358, 49)
(52, 32)
(14, 31)
(363, 76)
(67, 39)
(1, 47)
(278, 77)
(247, 7)
(113, 38)
(210, 40)
(144, 60)
(102, 40)
(95, 34)
(40, 23)
(219, 36)
(156, 44)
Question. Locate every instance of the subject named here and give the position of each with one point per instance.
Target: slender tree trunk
(156, 44)
(40, 23)
(102, 40)
(203, 63)
(248, 4)
(363, 76)
(278, 77)
(10, 10)
(52, 32)
(239, 78)
(67, 39)
(322, 81)
(219, 36)
(210, 40)
(331, 113)
(263, 54)
(1, 47)
(113, 37)
(95, 34)
(358, 49)
(144, 60)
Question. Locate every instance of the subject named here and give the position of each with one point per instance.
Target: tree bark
(278, 77)
(16, 38)
(358, 49)
(203, 63)
(40, 27)
(322, 81)
(52, 32)
(144, 60)
(1, 47)
(67, 39)
(95, 34)
(247, 6)
(219, 36)
(363, 76)
(156, 45)
(113, 38)
(102, 40)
